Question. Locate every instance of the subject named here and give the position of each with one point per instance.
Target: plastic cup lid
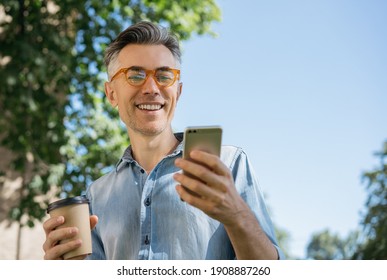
(66, 202)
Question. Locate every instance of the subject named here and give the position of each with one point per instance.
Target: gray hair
(143, 33)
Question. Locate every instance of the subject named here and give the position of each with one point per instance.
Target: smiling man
(140, 210)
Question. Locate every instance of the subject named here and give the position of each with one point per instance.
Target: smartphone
(204, 138)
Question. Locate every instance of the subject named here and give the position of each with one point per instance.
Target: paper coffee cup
(75, 211)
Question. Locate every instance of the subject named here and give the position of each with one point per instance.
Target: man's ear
(179, 90)
(111, 94)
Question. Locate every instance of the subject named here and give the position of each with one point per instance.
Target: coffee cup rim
(66, 202)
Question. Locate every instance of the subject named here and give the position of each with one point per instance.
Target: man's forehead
(146, 54)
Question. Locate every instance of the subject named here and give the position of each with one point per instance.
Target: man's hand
(213, 191)
(214, 187)
(52, 247)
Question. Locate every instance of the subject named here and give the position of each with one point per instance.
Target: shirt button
(147, 241)
(142, 171)
(147, 201)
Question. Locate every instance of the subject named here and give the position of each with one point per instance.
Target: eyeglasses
(136, 76)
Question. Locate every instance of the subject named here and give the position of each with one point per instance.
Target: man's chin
(150, 130)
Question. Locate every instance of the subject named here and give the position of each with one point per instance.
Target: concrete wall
(31, 242)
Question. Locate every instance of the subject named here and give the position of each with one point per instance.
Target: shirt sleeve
(249, 189)
(98, 252)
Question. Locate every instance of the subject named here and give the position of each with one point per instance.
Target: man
(140, 210)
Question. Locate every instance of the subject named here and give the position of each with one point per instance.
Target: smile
(150, 107)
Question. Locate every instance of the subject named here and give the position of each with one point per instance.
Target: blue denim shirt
(142, 217)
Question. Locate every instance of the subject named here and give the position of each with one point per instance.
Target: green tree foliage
(328, 246)
(55, 127)
(284, 238)
(370, 243)
(374, 246)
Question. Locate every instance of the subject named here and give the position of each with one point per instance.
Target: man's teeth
(150, 107)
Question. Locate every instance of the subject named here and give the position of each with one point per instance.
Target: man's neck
(148, 151)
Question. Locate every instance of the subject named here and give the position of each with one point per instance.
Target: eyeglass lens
(136, 77)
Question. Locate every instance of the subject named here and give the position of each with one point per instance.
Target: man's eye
(136, 77)
(163, 78)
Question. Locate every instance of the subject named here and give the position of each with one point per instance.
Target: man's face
(147, 109)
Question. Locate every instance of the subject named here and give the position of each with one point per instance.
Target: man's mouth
(150, 107)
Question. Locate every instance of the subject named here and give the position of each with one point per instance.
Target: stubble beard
(147, 128)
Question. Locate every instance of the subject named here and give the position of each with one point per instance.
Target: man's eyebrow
(135, 67)
(163, 68)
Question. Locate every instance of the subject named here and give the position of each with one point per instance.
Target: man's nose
(150, 85)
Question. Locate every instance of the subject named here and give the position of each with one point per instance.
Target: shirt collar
(127, 157)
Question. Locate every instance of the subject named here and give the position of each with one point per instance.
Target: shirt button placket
(146, 215)
(147, 202)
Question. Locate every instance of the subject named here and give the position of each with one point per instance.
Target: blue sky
(301, 86)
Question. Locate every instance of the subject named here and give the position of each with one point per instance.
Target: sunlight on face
(147, 109)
